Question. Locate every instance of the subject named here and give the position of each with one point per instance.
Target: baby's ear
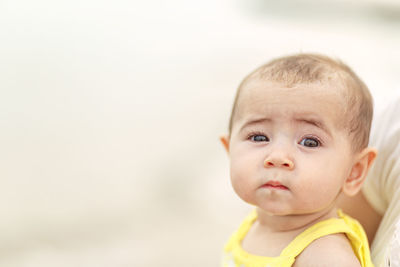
(359, 171)
(225, 142)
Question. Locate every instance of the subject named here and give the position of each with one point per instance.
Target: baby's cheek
(314, 194)
(242, 187)
(239, 184)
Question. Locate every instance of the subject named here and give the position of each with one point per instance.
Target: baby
(298, 138)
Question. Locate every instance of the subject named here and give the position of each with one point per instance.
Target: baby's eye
(259, 138)
(310, 142)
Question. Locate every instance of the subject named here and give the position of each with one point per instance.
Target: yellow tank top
(235, 256)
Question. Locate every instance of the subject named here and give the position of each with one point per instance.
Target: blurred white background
(110, 113)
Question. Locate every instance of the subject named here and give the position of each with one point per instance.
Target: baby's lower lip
(281, 187)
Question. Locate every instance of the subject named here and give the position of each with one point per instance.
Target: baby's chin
(275, 211)
(287, 211)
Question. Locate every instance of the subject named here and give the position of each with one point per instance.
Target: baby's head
(320, 70)
(298, 134)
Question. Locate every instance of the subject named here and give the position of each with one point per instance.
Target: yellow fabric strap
(324, 228)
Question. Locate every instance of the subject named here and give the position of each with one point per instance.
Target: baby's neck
(292, 223)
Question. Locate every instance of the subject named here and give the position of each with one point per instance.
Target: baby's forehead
(258, 90)
(260, 98)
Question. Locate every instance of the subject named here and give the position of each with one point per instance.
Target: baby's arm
(328, 251)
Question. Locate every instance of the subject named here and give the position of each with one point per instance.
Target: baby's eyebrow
(315, 122)
(253, 122)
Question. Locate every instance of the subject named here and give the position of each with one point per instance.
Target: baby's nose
(279, 161)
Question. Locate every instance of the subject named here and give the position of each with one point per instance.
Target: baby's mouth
(275, 185)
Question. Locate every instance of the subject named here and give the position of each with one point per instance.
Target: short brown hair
(311, 68)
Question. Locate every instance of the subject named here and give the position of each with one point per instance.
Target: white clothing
(382, 186)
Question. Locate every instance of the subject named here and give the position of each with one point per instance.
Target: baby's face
(289, 153)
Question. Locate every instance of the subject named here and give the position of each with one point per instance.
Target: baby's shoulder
(331, 250)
